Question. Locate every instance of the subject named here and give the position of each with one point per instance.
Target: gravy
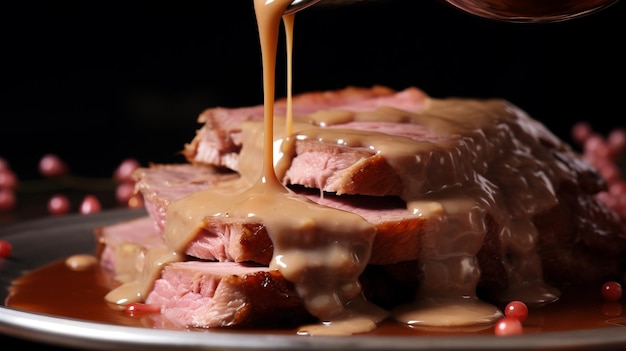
(577, 310)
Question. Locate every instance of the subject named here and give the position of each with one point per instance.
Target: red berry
(58, 204)
(611, 291)
(90, 204)
(517, 310)
(581, 131)
(617, 140)
(8, 179)
(7, 199)
(5, 249)
(124, 171)
(124, 192)
(508, 326)
(4, 164)
(51, 165)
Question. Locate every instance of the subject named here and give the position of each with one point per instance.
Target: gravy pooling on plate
(578, 309)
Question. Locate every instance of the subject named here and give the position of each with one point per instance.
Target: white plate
(46, 240)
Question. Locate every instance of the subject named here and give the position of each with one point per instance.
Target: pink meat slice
(174, 181)
(199, 293)
(235, 239)
(338, 169)
(111, 238)
(211, 294)
(218, 141)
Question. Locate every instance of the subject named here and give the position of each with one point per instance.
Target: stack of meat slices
(226, 280)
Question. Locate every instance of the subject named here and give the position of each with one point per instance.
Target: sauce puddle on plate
(58, 290)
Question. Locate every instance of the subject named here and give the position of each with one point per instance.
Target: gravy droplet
(450, 312)
(358, 317)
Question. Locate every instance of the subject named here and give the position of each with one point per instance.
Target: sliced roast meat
(171, 182)
(199, 293)
(397, 238)
(239, 240)
(362, 169)
(523, 172)
(205, 294)
(580, 227)
(116, 243)
(472, 188)
(218, 141)
(226, 294)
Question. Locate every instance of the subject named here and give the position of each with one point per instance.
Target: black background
(96, 82)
